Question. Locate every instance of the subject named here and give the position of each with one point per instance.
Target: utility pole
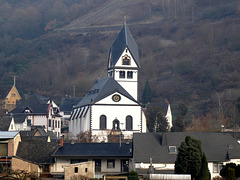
(73, 91)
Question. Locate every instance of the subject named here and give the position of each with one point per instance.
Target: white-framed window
(110, 163)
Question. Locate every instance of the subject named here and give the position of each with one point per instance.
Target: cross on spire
(14, 80)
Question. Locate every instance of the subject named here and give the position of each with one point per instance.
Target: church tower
(123, 62)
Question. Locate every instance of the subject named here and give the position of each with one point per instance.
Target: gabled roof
(95, 150)
(35, 103)
(218, 147)
(101, 89)
(5, 122)
(123, 40)
(36, 150)
(67, 103)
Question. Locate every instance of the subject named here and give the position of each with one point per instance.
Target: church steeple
(123, 61)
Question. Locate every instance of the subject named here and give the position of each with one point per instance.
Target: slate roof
(19, 118)
(36, 150)
(218, 147)
(67, 103)
(101, 89)
(5, 123)
(35, 103)
(42, 132)
(123, 40)
(95, 150)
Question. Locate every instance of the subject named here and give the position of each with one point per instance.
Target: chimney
(61, 142)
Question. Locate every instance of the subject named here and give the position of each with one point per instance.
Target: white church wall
(130, 87)
(116, 112)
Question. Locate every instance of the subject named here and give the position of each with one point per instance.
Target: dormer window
(26, 111)
(126, 60)
(172, 150)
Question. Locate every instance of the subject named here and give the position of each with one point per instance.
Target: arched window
(103, 122)
(129, 123)
(126, 60)
(116, 124)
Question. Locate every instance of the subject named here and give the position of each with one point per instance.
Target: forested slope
(189, 49)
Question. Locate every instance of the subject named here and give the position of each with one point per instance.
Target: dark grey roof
(95, 150)
(36, 149)
(19, 118)
(218, 147)
(5, 123)
(101, 89)
(67, 103)
(35, 103)
(123, 40)
(41, 131)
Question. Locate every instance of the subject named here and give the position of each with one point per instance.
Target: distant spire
(125, 20)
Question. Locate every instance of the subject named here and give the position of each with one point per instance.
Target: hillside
(189, 49)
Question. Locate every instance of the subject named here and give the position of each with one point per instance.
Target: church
(111, 105)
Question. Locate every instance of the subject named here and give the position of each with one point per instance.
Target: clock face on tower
(126, 60)
(116, 98)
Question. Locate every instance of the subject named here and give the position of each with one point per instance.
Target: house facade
(106, 158)
(40, 112)
(112, 103)
(160, 151)
(19, 122)
(9, 142)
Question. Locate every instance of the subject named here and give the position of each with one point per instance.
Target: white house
(112, 103)
(40, 113)
(160, 150)
(20, 122)
(108, 159)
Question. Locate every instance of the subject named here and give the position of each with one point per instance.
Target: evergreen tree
(156, 120)
(204, 173)
(133, 175)
(189, 158)
(178, 125)
(147, 94)
(231, 174)
(227, 170)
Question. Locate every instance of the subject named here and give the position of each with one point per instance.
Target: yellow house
(8, 102)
